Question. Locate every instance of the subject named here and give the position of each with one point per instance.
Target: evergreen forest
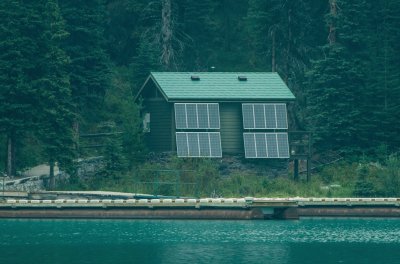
(70, 69)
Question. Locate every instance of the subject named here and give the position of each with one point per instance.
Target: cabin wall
(231, 128)
(160, 137)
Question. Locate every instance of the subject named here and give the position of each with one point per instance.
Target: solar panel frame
(266, 145)
(199, 144)
(264, 116)
(197, 116)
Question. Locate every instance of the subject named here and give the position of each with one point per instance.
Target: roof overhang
(150, 79)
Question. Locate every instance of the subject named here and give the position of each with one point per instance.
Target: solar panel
(259, 116)
(197, 116)
(281, 116)
(264, 116)
(182, 145)
(266, 145)
(283, 145)
(191, 116)
(215, 144)
(198, 144)
(270, 120)
(213, 113)
(249, 145)
(248, 115)
(204, 144)
(261, 147)
(202, 113)
(180, 116)
(272, 145)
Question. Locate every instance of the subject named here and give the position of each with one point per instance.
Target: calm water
(142, 241)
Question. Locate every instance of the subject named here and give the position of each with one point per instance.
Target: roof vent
(242, 78)
(195, 78)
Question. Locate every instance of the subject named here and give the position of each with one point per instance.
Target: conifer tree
(89, 68)
(382, 106)
(337, 80)
(19, 31)
(55, 98)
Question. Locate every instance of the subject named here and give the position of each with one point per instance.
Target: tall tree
(19, 31)
(337, 80)
(57, 114)
(382, 106)
(89, 68)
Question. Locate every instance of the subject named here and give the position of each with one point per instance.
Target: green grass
(344, 179)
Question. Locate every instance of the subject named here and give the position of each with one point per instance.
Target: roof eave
(233, 100)
(151, 77)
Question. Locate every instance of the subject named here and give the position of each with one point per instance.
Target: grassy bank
(203, 178)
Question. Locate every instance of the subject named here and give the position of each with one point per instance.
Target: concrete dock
(205, 208)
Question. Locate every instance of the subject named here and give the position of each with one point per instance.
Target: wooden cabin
(210, 114)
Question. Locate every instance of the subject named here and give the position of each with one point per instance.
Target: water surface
(176, 241)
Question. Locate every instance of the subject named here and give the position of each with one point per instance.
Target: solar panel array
(197, 116)
(199, 144)
(266, 145)
(264, 116)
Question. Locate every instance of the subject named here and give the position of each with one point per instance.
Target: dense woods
(72, 67)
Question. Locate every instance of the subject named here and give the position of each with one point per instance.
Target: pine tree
(338, 80)
(55, 101)
(199, 29)
(19, 30)
(89, 68)
(382, 106)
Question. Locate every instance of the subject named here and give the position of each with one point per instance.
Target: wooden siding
(231, 128)
(160, 137)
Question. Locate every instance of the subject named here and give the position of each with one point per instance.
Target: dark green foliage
(121, 108)
(35, 89)
(114, 159)
(89, 69)
(337, 82)
(364, 187)
(57, 113)
(83, 61)
(19, 50)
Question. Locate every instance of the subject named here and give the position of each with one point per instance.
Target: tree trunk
(288, 47)
(11, 170)
(51, 175)
(166, 34)
(75, 129)
(273, 63)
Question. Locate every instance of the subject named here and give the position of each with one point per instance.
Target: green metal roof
(222, 86)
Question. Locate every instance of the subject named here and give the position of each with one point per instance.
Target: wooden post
(51, 175)
(296, 170)
(308, 169)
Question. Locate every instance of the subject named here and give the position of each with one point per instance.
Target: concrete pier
(205, 208)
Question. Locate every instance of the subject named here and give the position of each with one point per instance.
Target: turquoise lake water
(178, 241)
